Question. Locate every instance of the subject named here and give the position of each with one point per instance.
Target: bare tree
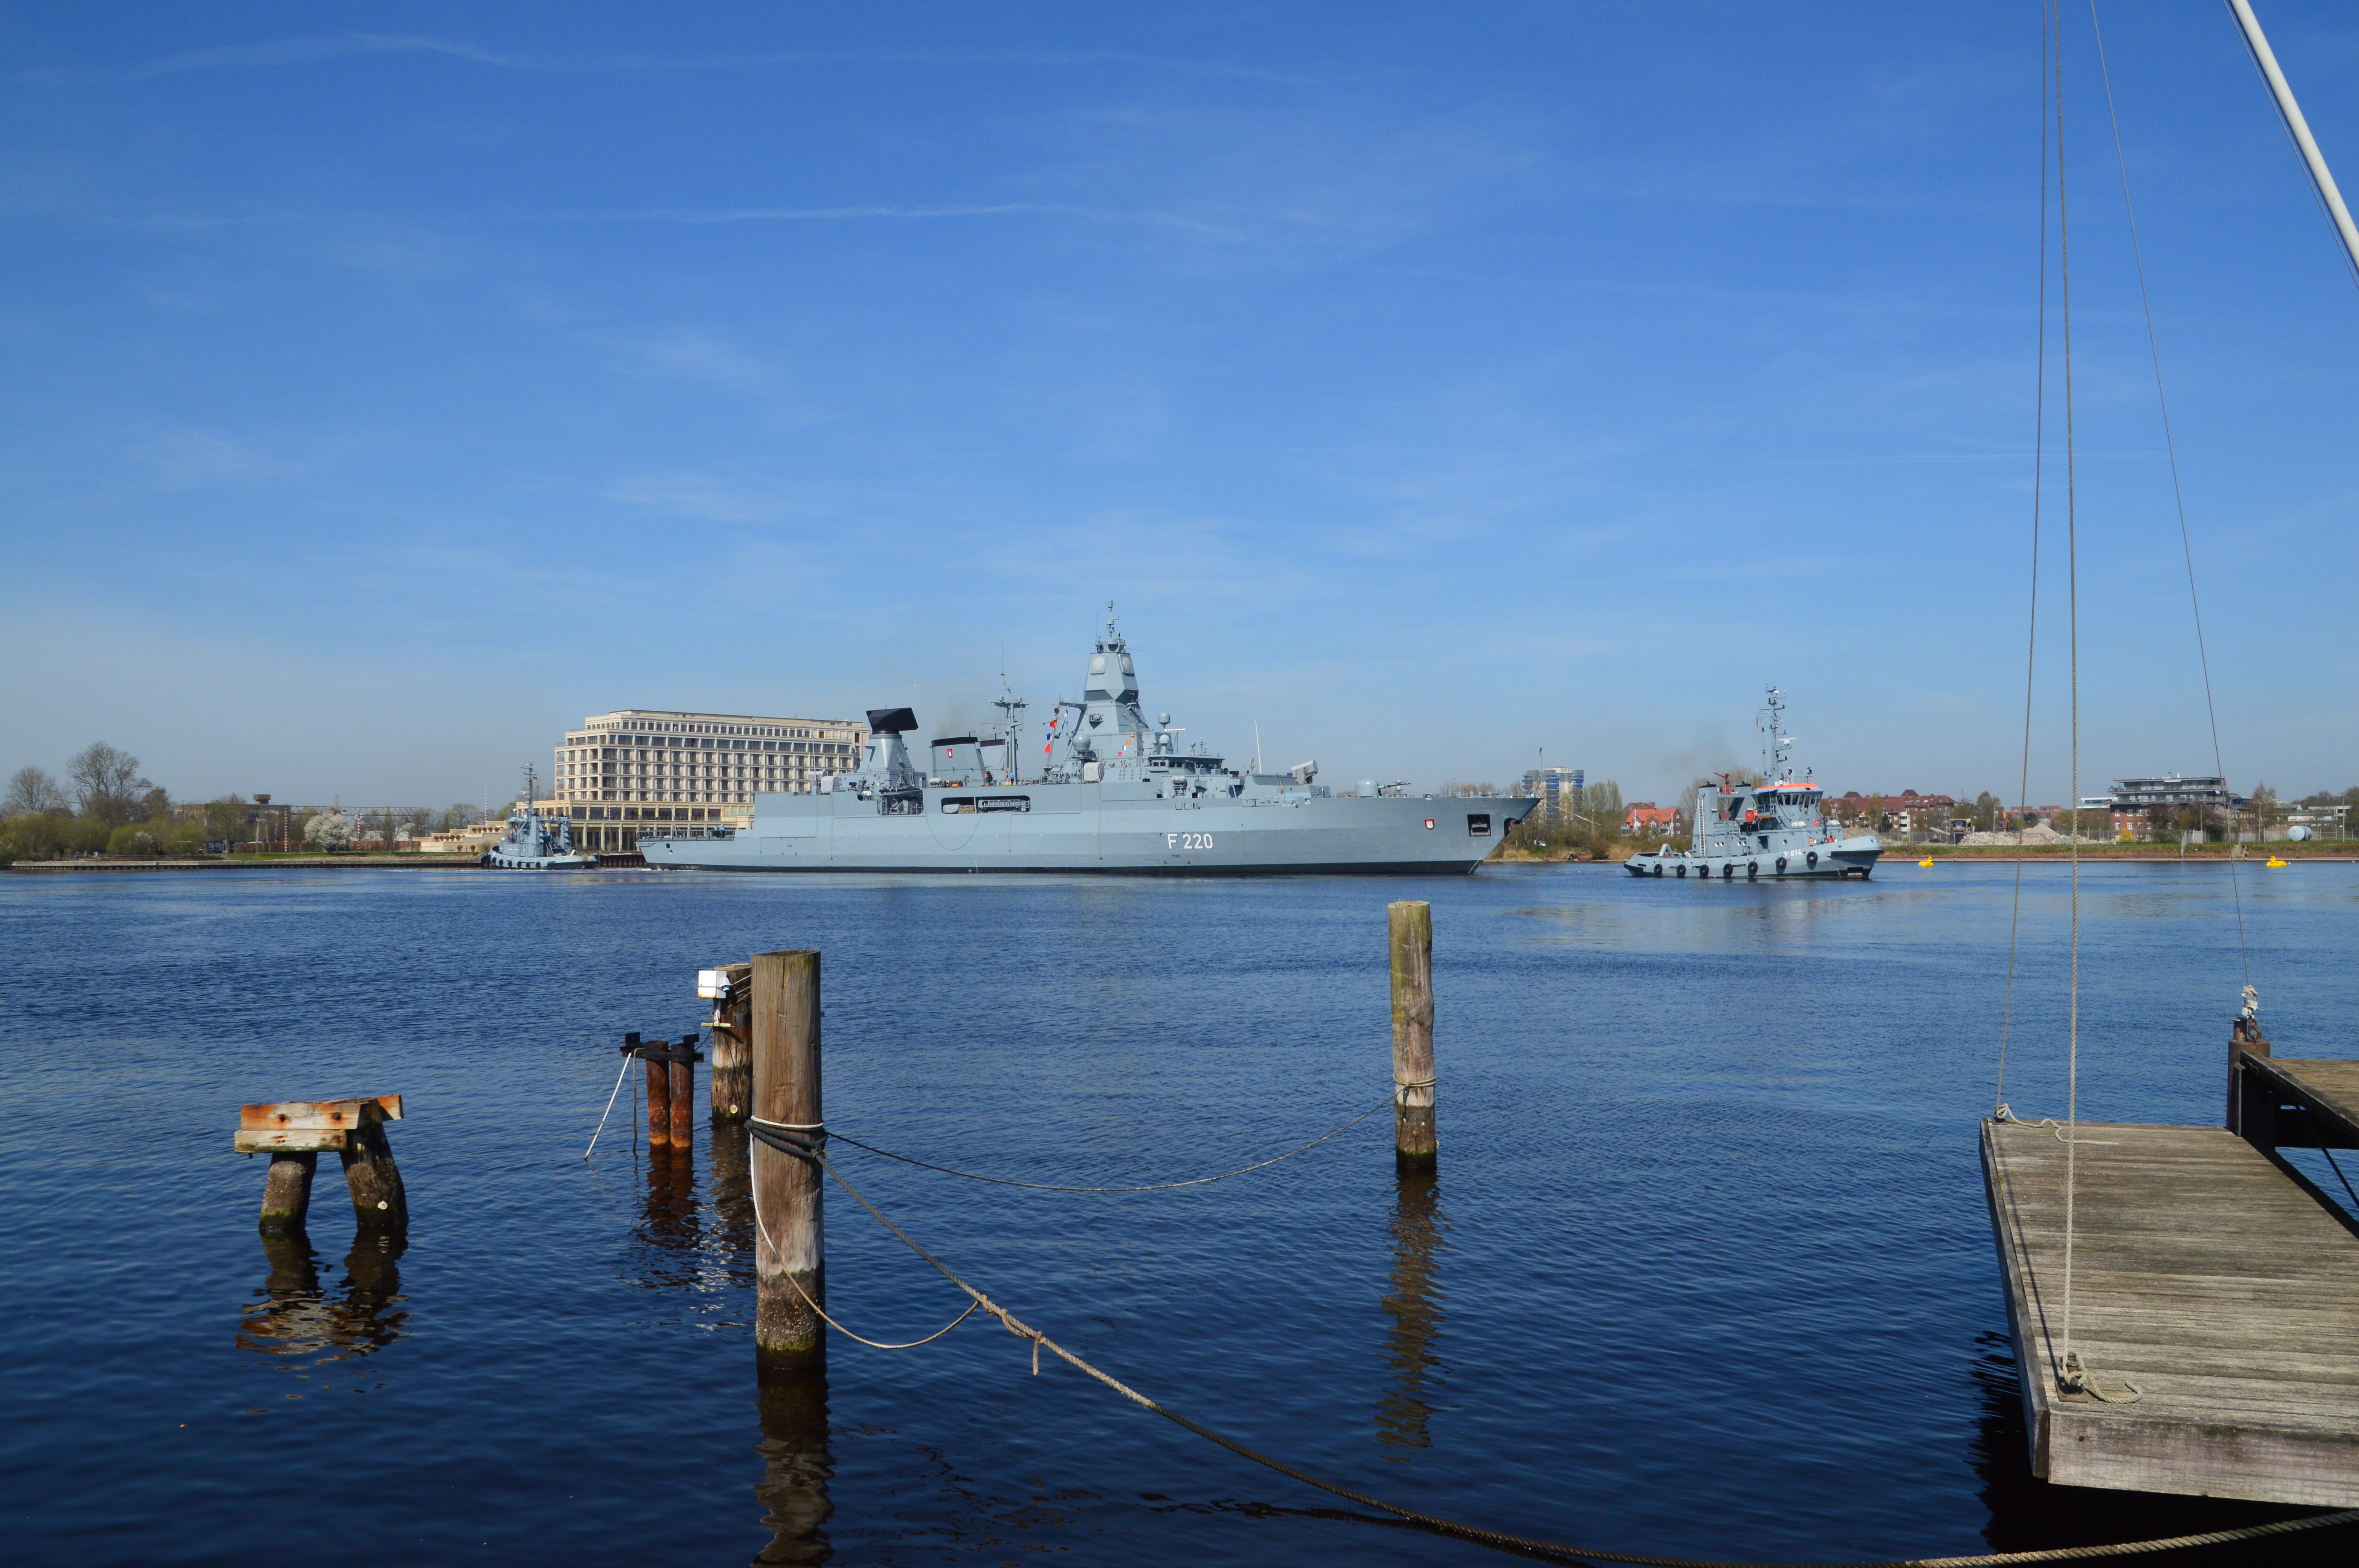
(108, 786)
(33, 790)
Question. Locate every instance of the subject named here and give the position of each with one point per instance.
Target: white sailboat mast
(2297, 128)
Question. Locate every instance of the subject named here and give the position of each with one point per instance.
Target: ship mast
(2265, 61)
(1011, 724)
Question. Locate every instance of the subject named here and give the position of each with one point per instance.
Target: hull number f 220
(1187, 840)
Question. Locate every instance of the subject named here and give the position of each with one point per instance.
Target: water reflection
(795, 1464)
(1414, 1304)
(2028, 1514)
(292, 1317)
(733, 1193)
(668, 1221)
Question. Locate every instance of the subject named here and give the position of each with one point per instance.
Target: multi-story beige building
(619, 772)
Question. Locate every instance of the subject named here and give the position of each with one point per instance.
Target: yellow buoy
(1926, 861)
(2276, 864)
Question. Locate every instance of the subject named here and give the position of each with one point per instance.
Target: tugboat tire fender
(1659, 868)
(1781, 865)
(1812, 860)
(1752, 870)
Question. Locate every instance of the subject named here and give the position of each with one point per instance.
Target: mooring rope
(610, 1107)
(1498, 1540)
(2171, 446)
(1148, 1187)
(761, 1129)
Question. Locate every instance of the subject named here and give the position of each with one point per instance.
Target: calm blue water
(1706, 1272)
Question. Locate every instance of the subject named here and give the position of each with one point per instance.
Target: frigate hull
(1135, 829)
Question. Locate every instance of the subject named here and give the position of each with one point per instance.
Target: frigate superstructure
(1113, 793)
(1776, 827)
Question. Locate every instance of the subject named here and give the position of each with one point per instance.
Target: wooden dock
(2215, 1294)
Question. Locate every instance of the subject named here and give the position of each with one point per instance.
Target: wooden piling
(789, 1249)
(683, 1096)
(658, 1105)
(1409, 927)
(378, 1201)
(733, 1088)
(2243, 1039)
(287, 1190)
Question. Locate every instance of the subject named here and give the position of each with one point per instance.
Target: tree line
(105, 804)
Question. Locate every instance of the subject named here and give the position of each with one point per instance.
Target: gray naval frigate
(1775, 828)
(1113, 795)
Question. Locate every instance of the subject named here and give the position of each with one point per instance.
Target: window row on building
(639, 766)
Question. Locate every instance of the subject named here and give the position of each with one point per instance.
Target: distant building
(1651, 821)
(1907, 812)
(1556, 789)
(619, 772)
(2137, 802)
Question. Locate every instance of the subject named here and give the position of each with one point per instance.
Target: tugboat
(536, 843)
(1775, 829)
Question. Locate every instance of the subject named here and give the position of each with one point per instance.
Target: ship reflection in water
(1414, 1304)
(293, 1317)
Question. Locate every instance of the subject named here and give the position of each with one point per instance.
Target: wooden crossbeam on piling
(2205, 1272)
(295, 1133)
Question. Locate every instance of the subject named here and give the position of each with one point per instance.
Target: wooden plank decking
(2206, 1275)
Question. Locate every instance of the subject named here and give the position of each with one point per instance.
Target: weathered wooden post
(378, 1200)
(788, 1247)
(2256, 1119)
(287, 1190)
(1410, 930)
(732, 1029)
(684, 1094)
(659, 1101)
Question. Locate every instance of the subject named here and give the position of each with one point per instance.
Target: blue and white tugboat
(536, 843)
(1775, 829)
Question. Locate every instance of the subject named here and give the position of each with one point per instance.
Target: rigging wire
(2031, 644)
(2171, 446)
(2068, 1372)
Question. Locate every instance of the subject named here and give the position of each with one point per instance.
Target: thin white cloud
(301, 51)
(882, 210)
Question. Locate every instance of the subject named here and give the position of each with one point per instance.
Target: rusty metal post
(683, 1094)
(659, 1103)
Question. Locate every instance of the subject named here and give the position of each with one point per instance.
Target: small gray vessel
(536, 843)
(1775, 829)
(1116, 795)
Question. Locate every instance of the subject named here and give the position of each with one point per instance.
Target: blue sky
(388, 387)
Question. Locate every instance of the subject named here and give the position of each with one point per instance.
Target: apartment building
(619, 773)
